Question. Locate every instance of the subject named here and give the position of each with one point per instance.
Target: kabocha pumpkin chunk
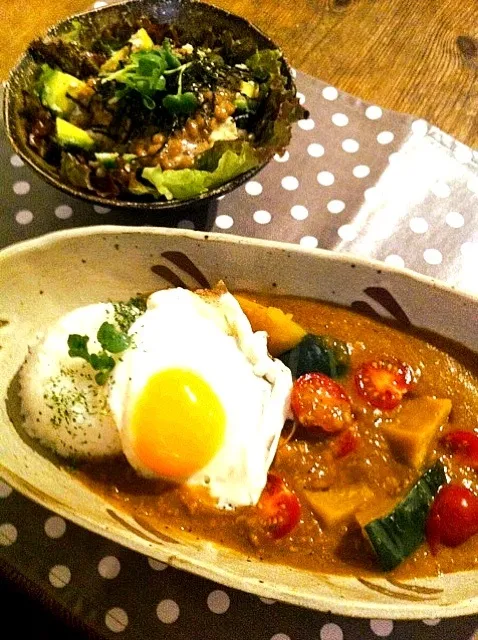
(283, 332)
(413, 429)
(338, 506)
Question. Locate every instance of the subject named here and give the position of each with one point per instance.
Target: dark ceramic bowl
(191, 17)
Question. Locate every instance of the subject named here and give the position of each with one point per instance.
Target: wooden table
(415, 56)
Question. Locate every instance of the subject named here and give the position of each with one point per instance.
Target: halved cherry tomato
(465, 445)
(278, 508)
(453, 517)
(346, 442)
(319, 401)
(383, 383)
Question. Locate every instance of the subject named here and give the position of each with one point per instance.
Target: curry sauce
(308, 464)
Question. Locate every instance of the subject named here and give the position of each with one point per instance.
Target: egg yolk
(178, 424)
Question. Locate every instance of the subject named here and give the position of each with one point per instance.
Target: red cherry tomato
(453, 517)
(383, 383)
(346, 442)
(465, 445)
(319, 401)
(278, 508)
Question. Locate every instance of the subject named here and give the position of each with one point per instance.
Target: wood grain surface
(414, 56)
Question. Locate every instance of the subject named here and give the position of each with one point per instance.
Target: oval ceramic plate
(42, 279)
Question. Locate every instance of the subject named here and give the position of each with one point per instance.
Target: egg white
(211, 336)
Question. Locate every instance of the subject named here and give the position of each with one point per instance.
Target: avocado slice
(141, 40)
(249, 88)
(55, 87)
(108, 160)
(69, 135)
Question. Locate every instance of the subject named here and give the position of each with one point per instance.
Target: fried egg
(197, 399)
(62, 405)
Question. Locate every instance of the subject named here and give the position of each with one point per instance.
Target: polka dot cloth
(59, 576)
(55, 527)
(109, 567)
(381, 628)
(218, 601)
(355, 178)
(116, 620)
(167, 611)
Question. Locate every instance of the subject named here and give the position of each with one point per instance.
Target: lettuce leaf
(279, 108)
(274, 131)
(75, 172)
(265, 63)
(232, 163)
(188, 183)
(179, 183)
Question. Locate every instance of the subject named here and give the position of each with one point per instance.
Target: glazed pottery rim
(215, 236)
